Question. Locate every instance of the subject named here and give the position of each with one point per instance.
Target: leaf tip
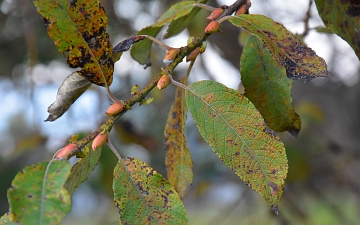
(50, 118)
(294, 131)
(275, 209)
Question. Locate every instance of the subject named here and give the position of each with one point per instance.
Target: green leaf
(78, 29)
(343, 18)
(178, 159)
(69, 91)
(299, 61)
(178, 25)
(37, 194)
(268, 88)
(141, 51)
(144, 197)
(82, 168)
(5, 220)
(235, 130)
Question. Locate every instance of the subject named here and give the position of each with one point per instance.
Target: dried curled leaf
(235, 130)
(70, 90)
(78, 29)
(299, 61)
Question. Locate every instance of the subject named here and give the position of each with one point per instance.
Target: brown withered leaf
(70, 90)
(178, 159)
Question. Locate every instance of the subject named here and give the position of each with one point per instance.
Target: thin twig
(157, 41)
(113, 149)
(204, 6)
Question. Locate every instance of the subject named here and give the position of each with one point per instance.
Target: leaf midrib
(217, 113)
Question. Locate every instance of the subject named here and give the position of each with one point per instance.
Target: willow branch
(184, 51)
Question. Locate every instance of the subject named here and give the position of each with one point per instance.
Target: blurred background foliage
(323, 185)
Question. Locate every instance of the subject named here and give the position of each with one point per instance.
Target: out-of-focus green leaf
(141, 51)
(268, 88)
(343, 18)
(69, 91)
(82, 168)
(144, 197)
(178, 25)
(78, 29)
(235, 130)
(37, 194)
(299, 61)
(30, 142)
(178, 159)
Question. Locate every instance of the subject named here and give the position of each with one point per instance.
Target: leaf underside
(39, 198)
(78, 29)
(178, 159)
(69, 91)
(343, 18)
(235, 130)
(268, 88)
(144, 197)
(299, 61)
(82, 168)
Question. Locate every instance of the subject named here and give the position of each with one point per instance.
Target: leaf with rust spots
(235, 130)
(145, 197)
(180, 13)
(78, 29)
(178, 159)
(70, 90)
(268, 88)
(299, 61)
(82, 168)
(37, 194)
(343, 18)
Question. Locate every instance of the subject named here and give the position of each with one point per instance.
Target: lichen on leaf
(78, 29)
